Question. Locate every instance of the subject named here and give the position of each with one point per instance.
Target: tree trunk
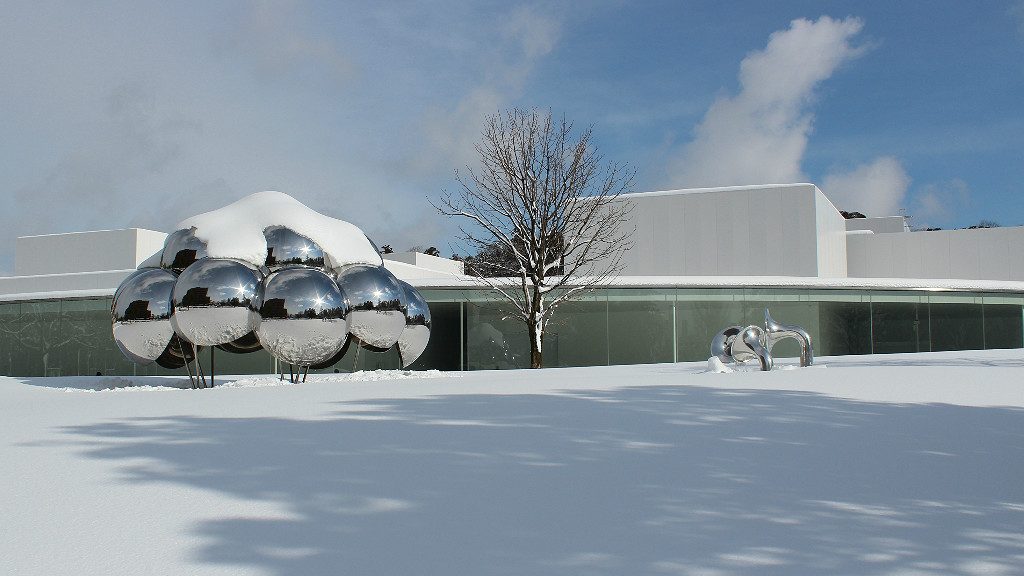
(536, 352)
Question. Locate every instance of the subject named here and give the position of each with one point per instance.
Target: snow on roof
(714, 189)
(929, 284)
(236, 230)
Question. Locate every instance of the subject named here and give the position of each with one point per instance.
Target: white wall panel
(746, 230)
(84, 251)
(982, 254)
(831, 238)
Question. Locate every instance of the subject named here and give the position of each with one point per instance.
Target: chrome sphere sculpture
(177, 354)
(267, 273)
(141, 315)
(287, 247)
(215, 301)
(378, 305)
(244, 345)
(740, 344)
(416, 334)
(302, 316)
(182, 248)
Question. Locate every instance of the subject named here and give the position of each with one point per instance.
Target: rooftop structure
(702, 259)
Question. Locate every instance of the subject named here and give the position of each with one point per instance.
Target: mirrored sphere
(416, 334)
(244, 345)
(333, 359)
(181, 249)
(127, 282)
(175, 354)
(215, 301)
(285, 247)
(377, 318)
(141, 314)
(302, 316)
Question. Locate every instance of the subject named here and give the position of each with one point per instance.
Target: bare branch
(545, 215)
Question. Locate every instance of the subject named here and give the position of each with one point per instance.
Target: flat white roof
(90, 232)
(716, 189)
(467, 282)
(929, 284)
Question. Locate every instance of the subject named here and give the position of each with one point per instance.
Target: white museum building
(702, 259)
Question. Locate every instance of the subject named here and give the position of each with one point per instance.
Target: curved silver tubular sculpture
(777, 331)
(720, 344)
(749, 344)
(739, 344)
(297, 304)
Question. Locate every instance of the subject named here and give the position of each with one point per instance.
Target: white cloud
(759, 135)
(940, 204)
(143, 113)
(526, 36)
(876, 188)
(281, 39)
(1016, 12)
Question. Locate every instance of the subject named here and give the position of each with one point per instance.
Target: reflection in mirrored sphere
(286, 247)
(175, 354)
(302, 316)
(215, 301)
(126, 282)
(377, 318)
(181, 249)
(244, 345)
(416, 334)
(333, 359)
(141, 314)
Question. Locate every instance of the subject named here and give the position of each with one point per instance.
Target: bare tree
(544, 196)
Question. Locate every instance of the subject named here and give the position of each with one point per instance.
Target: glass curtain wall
(472, 329)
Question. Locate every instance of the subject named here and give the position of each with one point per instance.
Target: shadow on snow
(658, 480)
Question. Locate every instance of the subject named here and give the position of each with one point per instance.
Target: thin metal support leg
(199, 366)
(191, 380)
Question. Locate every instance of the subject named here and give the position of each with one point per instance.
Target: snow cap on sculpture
(239, 230)
(267, 271)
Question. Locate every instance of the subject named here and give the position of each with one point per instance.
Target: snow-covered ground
(902, 464)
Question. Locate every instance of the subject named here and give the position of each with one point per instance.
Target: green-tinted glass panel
(494, 339)
(258, 362)
(697, 322)
(845, 328)
(956, 326)
(899, 327)
(785, 311)
(578, 334)
(709, 294)
(1003, 326)
(639, 331)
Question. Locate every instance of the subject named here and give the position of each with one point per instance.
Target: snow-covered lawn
(903, 464)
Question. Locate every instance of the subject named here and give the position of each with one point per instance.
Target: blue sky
(141, 113)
